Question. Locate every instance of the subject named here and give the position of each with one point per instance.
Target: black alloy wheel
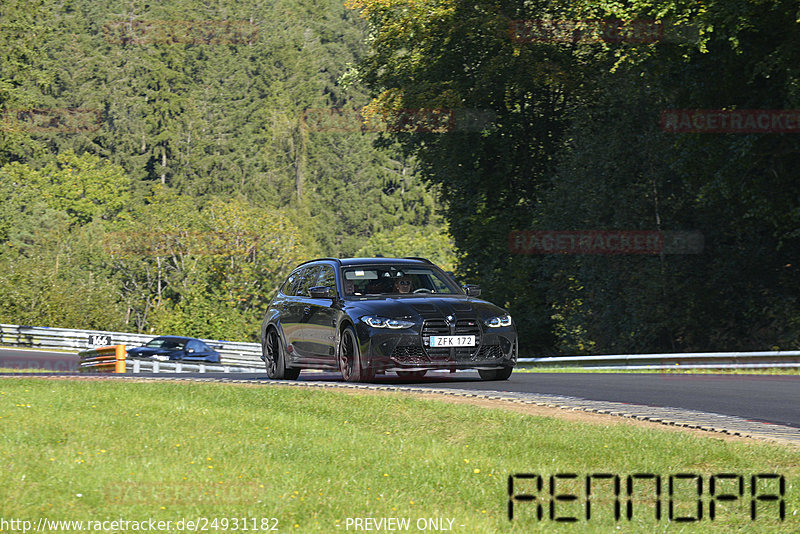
(275, 359)
(350, 363)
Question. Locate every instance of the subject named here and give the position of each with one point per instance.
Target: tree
(576, 144)
(412, 241)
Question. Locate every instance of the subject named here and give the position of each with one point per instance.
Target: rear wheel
(275, 358)
(495, 374)
(350, 363)
(413, 375)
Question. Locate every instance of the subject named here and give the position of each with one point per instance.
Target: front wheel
(275, 359)
(350, 363)
(495, 374)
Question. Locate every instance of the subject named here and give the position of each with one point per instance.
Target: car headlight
(497, 322)
(382, 322)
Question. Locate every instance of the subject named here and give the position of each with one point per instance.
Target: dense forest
(160, 172)
(162, 165)
(582, 141)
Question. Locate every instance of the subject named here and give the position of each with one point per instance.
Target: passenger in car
(402, 285)
(349, 288)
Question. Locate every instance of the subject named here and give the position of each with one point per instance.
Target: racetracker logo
(181, 493)
(430, 120)
(609, 242)
(190, 243)
(730, 121)
(148, 32)
(594, 31)
(55, 120)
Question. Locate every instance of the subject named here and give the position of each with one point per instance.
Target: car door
(173, 349)
(296, 309)
(199, 351)
(289, 320)
(320, 317)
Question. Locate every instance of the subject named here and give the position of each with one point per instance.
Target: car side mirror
(472, 290)
(320, 292)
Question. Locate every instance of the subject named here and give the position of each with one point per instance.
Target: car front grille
(435, 327)
(422, 353)
(409, 354)
(439, 327)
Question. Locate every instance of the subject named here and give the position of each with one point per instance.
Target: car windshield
(396, 280)
(161, 343)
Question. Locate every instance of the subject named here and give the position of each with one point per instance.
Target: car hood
(420, 308)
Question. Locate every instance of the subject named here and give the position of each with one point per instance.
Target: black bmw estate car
(363, 316)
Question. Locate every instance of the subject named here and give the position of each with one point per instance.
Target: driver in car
(402, 285)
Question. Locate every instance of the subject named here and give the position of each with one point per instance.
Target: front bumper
(407, 350)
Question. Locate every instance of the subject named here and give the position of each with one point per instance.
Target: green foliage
(52, 276)
(576, 145)
(186, 265)
(84, 187)
(204, 181)
(199, 314)
(192, 166)
(23, 71)
(405, 241)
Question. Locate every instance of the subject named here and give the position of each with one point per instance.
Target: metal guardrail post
(119, 366)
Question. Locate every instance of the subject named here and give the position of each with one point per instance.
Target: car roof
(175, 338)
(372, 261)
(380, 261)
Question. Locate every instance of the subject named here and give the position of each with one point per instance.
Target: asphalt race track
(37, 360)
(770, 399)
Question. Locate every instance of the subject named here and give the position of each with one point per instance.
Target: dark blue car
(186, 349)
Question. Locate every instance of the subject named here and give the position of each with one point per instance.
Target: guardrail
(102, 360)
(696, 360)
(232, 353)
(235, 354)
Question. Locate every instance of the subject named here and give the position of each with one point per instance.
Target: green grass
(106, 450)
(23, 370)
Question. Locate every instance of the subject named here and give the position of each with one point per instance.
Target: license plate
(452, 341)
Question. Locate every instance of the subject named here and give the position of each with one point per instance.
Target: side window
(307, 281)
(196, 346)
(291, 282)
(172, 344)
(438, 285)
(326, 278)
